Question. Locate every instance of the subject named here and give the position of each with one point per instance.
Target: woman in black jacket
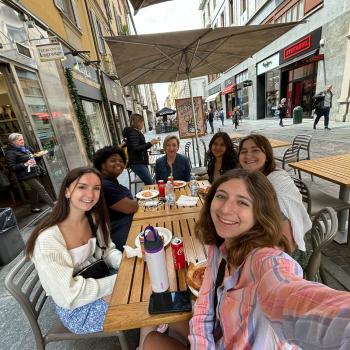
(137, 148)
(23, 164)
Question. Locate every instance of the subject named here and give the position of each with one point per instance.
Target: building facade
(296, 66)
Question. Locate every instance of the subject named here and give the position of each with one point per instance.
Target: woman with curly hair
(110, 161)
(221, 156)
(253, 295)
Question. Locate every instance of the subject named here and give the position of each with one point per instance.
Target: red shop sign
(298, 47)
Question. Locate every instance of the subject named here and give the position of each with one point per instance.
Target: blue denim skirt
(88, 318)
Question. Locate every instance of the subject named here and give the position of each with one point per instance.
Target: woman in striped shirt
(263, 302)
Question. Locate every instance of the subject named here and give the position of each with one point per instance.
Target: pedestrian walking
(282, 110)
(217, 114)
(235, 117)
(211, 119)
(222, 115)
(322, 104)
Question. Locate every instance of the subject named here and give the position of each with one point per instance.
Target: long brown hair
(264, 144)
(267, 230)
(61, 210)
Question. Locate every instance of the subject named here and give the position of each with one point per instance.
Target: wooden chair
(304, 143)
(24, 285)
(290, 155)
(133, 180)
(324, 228)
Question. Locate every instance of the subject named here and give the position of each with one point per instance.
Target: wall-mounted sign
(267, 64)
(185, 117)
(308, 43)
(247, 83)
(50, 52)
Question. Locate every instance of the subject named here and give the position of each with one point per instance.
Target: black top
(15, 159)
(211, 116)
(114, 192)
(283, 110)
(136, 145)
(228, 163)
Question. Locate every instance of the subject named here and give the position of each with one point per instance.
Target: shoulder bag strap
(94, 230)
(217, 332)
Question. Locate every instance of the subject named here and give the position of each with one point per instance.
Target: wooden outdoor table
(166, 210)
(335, 169)
(128, 307)
(274, 143)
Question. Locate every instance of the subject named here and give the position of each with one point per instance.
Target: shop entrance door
(35, 118)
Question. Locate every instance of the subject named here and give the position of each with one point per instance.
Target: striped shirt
(266, 305)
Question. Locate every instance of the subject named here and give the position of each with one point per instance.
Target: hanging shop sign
(308, 43)
(247, 83)
(267, 64)
(50, 52)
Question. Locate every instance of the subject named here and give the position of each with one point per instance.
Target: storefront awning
(228, 89)
(212, 97)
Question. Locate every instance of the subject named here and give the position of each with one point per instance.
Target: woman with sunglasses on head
(221, 156)
(253, 295)
(70, 238)
(110, 161)
(255, 154)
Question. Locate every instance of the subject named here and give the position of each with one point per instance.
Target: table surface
(167, 210)
(274, 143)
(128, 307)
(335, 168)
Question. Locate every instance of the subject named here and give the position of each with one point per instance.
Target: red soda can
(161, 189)
(177, 247)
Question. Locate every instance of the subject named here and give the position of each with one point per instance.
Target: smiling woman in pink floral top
(262, 302)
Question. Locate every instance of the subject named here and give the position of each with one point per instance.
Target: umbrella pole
(195, 119)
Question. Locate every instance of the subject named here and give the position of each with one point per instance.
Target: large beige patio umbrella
(174, 56)
(138, 4)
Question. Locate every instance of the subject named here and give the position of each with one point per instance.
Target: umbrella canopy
(165, 111)
(138, 4)
(173, 56)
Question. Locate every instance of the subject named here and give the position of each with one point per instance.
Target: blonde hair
(135, 119)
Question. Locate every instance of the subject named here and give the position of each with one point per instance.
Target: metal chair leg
(122, 341)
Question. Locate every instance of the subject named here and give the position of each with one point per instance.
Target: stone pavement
(15, 332)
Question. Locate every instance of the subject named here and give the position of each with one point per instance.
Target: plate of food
(40, 153)
(179, 183)
(163, 233)
(195, 275)
(147, 194)
(203, 191)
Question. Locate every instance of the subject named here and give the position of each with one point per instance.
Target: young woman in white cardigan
(63, 243)
(255, 154)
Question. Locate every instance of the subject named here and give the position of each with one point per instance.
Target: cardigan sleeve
(55, 268)
(291, 205)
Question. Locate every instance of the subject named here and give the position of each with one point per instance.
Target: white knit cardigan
(55, 268)
(291, 205)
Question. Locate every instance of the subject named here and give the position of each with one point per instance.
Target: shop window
(94, 119)
(243, 6)
(289, 15)
(108, 8)
(118, 22)
(272, 91)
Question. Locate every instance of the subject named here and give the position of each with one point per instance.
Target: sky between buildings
(168, 17)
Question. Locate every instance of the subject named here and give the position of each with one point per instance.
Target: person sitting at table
(137, 148)
(221, 156)
(64, 243)
(253, 294)
(110, 161)
(172, 163)
(255, 154)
